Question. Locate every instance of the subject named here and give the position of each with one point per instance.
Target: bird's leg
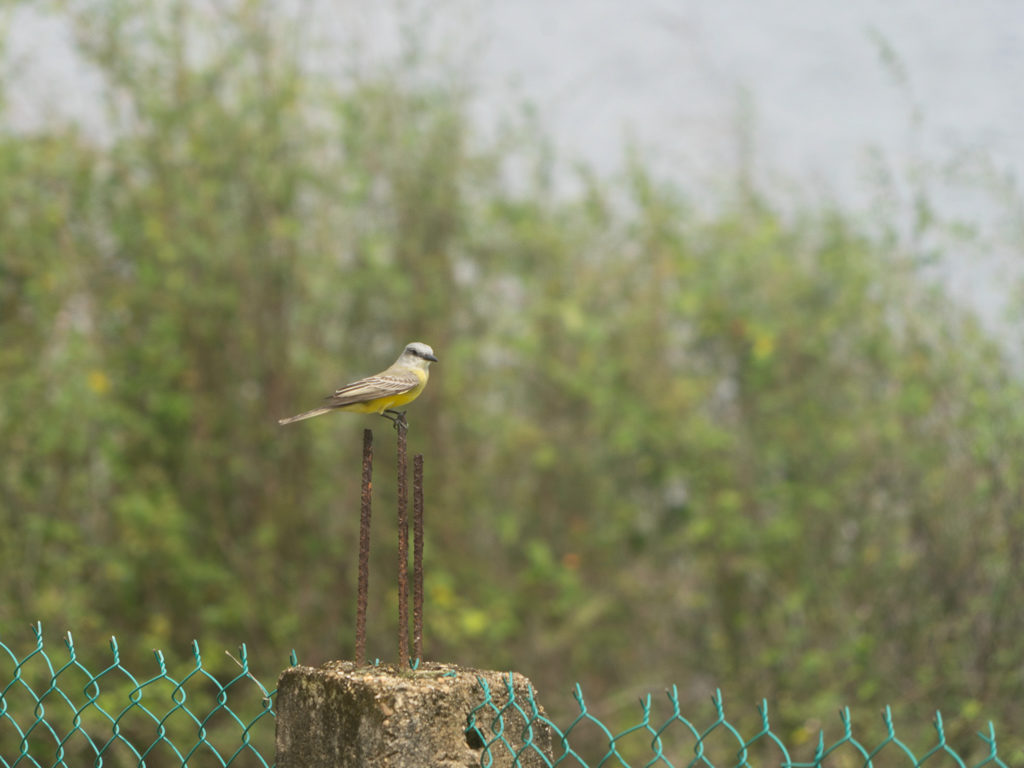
(399, 416)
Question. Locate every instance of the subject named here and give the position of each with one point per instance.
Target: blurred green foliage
(739, 448)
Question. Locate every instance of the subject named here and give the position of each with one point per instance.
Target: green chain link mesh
(62, 715)
(509, 731)
(59, 716)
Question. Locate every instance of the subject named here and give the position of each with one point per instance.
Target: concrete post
(344, 716)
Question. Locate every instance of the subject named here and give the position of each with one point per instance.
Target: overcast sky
(809, 72)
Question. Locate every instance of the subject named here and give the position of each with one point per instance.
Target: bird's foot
(396, 417)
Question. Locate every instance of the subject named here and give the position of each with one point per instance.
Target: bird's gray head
(419, 352)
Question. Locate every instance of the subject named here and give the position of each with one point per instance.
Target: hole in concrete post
(473, 738)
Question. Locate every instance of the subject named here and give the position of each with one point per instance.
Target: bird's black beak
(430, 357)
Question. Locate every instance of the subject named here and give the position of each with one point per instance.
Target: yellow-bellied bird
(383, 393)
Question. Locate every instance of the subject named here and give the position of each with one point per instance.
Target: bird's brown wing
(373, 387)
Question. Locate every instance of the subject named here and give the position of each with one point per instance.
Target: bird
(384, 392)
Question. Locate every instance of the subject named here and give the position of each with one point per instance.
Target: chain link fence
(511, 730)
(56, 713)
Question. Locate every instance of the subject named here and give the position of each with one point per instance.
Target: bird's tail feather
(306, 415)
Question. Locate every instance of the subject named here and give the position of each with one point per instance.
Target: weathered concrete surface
(344, 716)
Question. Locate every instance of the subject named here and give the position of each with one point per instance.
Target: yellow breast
(381, 404)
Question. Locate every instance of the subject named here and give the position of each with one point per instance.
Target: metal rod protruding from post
(403, 547)
(364, 546)
(417, 556)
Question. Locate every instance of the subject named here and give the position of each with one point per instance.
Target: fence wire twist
(56, 716)
(515, 732)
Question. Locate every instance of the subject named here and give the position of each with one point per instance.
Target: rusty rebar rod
(364, 546)
(417, 556)
(403, 547)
